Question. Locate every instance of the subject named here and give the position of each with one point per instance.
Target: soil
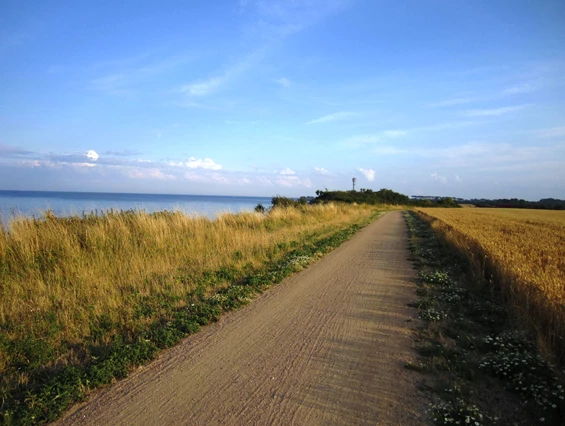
(327, 346)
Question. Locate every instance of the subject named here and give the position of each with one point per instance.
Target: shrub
(279, 201)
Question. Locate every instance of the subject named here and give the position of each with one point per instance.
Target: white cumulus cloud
(91, 154)
(321, 170)
(368, 173)
(438, 178)
(288, 171)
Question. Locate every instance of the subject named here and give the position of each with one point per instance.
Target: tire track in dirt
(326, 346)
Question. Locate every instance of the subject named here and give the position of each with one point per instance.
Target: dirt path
(325, 347)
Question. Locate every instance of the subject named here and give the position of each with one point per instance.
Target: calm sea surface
(34, 203)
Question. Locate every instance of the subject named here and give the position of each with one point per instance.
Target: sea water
(36, 203)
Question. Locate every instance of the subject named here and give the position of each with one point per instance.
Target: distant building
(435, 198)
(426, 197)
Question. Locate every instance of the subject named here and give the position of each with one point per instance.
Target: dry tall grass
(524, 252)
(60, 279)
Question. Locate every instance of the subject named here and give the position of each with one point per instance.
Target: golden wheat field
(524, 251)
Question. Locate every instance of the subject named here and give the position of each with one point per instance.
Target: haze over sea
(35, 203)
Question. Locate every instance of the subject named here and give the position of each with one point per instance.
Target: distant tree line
(515, 203)
(383, 196)
(388, 196)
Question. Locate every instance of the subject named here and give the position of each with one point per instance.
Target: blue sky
(240, 97)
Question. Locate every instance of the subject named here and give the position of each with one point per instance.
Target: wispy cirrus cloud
(124, 153)
(278, 18)
(128, 75)
(388, 150)
(552, 132)
(284, 82)
(8, 151)
(373, 138)
(520, 88)
(358, 140)
(130, 61)
(482, 156)
(395, 134)
(463, 99)
(444, 126)
(332, 117)
(205, 87)
(456, 101)
(388, 135)
(152, 173)
(269, 22)
(210, 85)
(194, 163)
(109, 83)
(493, 112)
